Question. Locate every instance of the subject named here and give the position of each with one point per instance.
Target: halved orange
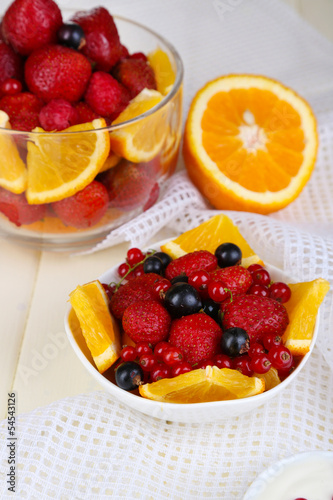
(164, 73)
(99, 328)
(62, 163)
(203, 385)
(13, 173)
(208, 236)
(142, 141)
(250, 143)
(302, 309)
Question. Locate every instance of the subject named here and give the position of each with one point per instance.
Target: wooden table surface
(35, 357)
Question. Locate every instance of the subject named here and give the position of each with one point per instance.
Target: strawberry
(194, 261)
(57, 72)
(58, 114)
(257, 315)
(135, 74)
(16, 208)
(85, 208)
(102, 46)
(30, 24)
(129, 185)
(23, 110)
(106, 96)
(153, 197)
(85, 113)
(146, 320)
(140, 288)
(11, 64)
(197, 335)
(236, 278)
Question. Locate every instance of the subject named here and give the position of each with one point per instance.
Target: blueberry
(165, 258)
(228, 254)
(182, 278)
(182, 299)
(129, 375)
(153, 264)
(71, 35)
(213, 310)
(234, 342)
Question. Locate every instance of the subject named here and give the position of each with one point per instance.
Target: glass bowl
(44, 229)
(197, 412)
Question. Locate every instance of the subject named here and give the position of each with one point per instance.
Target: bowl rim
(234, 403)
(166, 99)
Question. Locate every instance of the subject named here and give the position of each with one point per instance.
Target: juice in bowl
(90, 124)
(195, 329)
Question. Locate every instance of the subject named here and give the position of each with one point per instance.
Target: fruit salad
(200, 320)
(69, 164)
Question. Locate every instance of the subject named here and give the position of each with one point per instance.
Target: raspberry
(11, 64)
(106, 96)
(58, 114)
(135, 74)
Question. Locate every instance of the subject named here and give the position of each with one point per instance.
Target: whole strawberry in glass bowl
(90, 122)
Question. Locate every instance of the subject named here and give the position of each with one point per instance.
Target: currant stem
(149, 254)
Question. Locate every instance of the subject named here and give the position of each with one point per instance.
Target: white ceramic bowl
(198, 412)
(305, 475)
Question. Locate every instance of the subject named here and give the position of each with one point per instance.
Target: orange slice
(302, 309)
(203, 385)
(163, 70)
(141, 141)
(271, 378)
(13, 174)
(111, 161)
(98, 327)
(250, 143)
(62, 163)
(208, 236)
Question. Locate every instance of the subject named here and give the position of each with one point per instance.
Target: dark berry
(182, 278)
(280, 291)
(129, 375)
(153, 264)
(260, 363)
(71, 35)
(181, 300)
(228, 254)
(212, 309)
(134, 256)
(165, 258)
(243, 365)
(234, 342)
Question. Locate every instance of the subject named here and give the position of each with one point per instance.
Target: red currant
(258, 290)
(180, 368)
(270, 340)
(159, 372)
(261, 277)
(280, 291)
(109, 289)
(123, 269)
(148, 362)
(217, 291)
(134, 256)
(223, 361)
(128, 353)
(143, 347)
(160, 287)
(285, 373)
(280, 357)
(199, 280)
(260, 363)
(255, 349)
(204, 363)
(11, 86)
(254, 267)
(160, 348)
(243, 365)
(172, 355)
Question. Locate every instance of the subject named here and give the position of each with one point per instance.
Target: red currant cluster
(133, 266)
(263, 285)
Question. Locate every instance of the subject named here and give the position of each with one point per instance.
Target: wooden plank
(18, 270)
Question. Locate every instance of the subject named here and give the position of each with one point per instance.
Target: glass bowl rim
(176, 85)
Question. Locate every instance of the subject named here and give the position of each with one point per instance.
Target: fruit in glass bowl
(90, 123)
(198, 356)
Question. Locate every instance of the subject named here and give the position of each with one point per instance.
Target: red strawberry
(58, 114)
(106, 96)
(140, 288)
(237, 279)
(146, 320)
(257, 315)
(153, 197)
(85, 113)
(129, 185)
(11, 64)
(135, 74)
(30, 24)
(23, 110)
(85, 208)
(16, 208)
(197, 335)
(194, 261)
(55, 72)
(102, 46)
